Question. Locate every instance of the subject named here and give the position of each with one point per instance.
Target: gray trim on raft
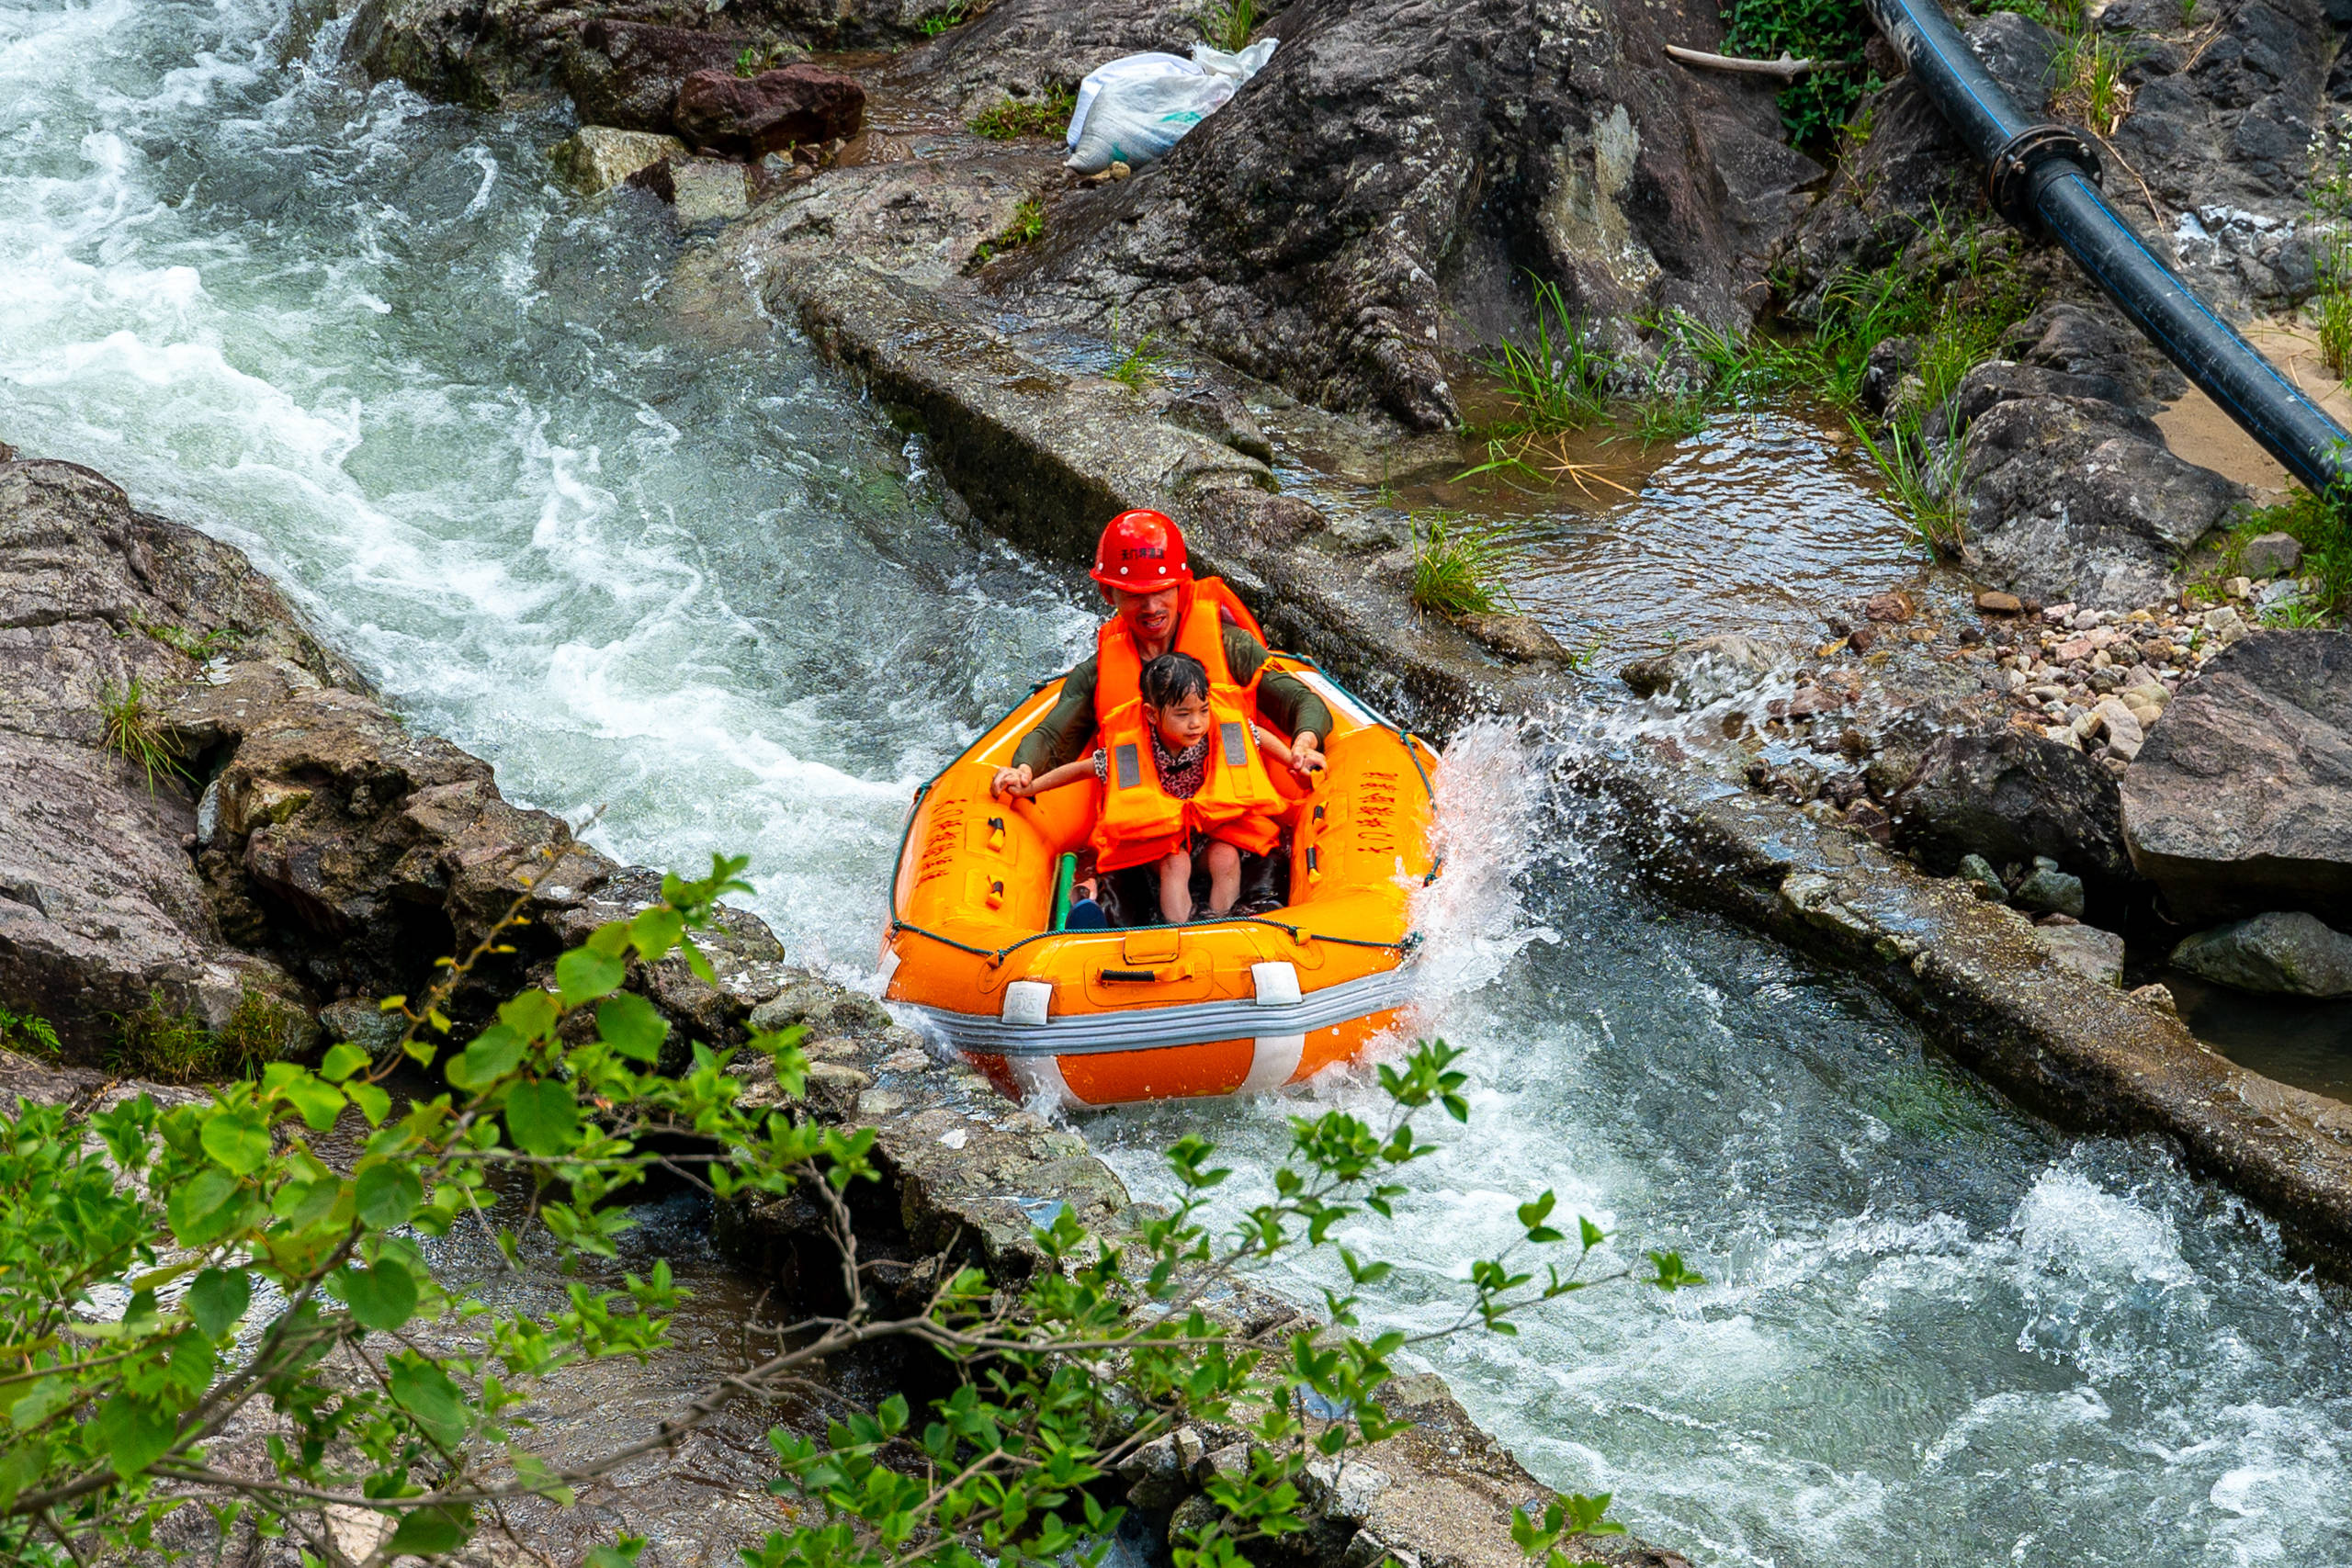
(1181, 1024)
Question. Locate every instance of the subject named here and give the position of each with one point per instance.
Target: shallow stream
(693, 582)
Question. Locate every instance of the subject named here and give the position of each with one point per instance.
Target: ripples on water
(689, 578)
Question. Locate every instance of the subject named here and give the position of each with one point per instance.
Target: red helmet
(1142, 552)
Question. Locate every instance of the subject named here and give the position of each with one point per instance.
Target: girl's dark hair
(1173, 677)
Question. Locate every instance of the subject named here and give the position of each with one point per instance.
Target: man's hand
(1306, 755)
(1012, 783)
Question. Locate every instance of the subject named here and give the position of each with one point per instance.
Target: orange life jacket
(1140, 821)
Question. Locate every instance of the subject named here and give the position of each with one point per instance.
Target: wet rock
(822, 1006)
(750, 116)
(2290, 953)
(2046, 890)
(1221, 417)
(1995, 603)
(1892, 363)
(1319, 230)
(1705, 671)
(595, 158)
(362, 1021)
(100, 905)
(1978, 873)
(1515, 636)
(704, 190)
(1277, 519)
(1027, 49)
(2271, 555)
(1895, 607)
(2241, 801)
(2090, 952)
(628, 74)
(2010, 795)
(2074, 497)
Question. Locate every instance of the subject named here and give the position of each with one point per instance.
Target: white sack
(1137, 106)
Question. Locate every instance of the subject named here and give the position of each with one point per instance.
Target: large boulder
(101, 907)
(2241, 801)
(2012, 797)
(751, 115)
(628, 74)
(2076, 497)
(1375, 198)
(2291, 954)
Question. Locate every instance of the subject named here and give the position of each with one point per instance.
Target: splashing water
(651, 558)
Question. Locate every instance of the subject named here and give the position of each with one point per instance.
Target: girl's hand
(1012, 783)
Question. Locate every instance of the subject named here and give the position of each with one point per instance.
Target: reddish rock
(1894, 606)
(1999, 603)
(800, 105)
(628, 74)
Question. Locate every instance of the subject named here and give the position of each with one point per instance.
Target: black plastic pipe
(2045, 177)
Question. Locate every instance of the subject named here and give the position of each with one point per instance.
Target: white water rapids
(694, 582)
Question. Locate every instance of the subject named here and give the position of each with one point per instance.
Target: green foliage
(165, 1272)
(758, 57)
(2090, 85)
(1457, 570)
(1933, 505)
(1009, 117)
(1830, 32)
(167, 1046)
(1227, 25)
(28, 1032)
(135, 731)
(2322, 525)
(938, 22)
(1028, 225)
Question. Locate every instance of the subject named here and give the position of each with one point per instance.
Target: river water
(692, 583)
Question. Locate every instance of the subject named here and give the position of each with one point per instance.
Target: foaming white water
(645, 563)
(1931, 1334)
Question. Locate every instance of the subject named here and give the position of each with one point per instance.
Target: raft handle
(1130, 977)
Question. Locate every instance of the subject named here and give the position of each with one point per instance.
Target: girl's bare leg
(1176, 887)
(1225, 876)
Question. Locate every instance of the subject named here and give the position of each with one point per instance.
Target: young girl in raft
(1176, 710)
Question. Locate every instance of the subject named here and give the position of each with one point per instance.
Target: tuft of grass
(755, 59)
(1458, 571)
(135, 731)
(1143, 362)
(28, 1032)
(938, 22)
(1009, 117)
(2089, 73)
(165, 1046)
(1902, 460)
(200, 649)
(1027, 227)
(1558, 381)
(1229, 24)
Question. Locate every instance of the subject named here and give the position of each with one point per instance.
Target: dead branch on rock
(1785, 68)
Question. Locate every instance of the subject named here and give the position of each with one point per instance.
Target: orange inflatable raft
(1160, 1012)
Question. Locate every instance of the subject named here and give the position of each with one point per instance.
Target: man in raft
(1143, 570)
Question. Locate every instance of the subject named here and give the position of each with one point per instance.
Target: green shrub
(947, 20)
(170, 1273)
(1141, 364)
(165, 1045)
(1830, 32)
(2324, 527)
(28, 1032)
